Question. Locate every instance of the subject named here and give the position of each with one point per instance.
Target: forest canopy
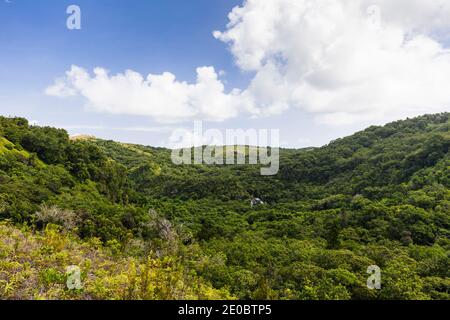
(379, 197)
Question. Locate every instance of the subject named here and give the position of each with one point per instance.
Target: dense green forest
(141, 227)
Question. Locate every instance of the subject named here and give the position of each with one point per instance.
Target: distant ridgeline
(379, 197)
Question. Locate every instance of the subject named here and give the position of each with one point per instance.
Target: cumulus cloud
(344, 61)
(159, 96)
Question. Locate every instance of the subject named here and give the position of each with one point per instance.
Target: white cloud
(159, 96)
(344, 61)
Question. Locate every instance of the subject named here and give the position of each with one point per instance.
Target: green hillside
(33, 266)
(379, 197)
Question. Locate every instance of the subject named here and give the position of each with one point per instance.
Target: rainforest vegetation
(140, 227)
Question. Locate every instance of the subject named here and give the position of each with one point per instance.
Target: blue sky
(153, 37)
(37, 47)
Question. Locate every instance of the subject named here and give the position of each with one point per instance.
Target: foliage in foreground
(34, 266)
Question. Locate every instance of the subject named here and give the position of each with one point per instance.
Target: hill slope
(34, 266)
(379, 197)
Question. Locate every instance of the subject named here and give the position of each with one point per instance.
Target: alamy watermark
(374, 281)
(236, 146)
(74, 20)
(73, 274)
(374, 18)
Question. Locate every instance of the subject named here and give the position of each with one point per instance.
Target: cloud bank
(344, 61)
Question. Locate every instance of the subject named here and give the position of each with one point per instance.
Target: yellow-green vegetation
(9, 147)
(5, 145)
(34, 265)
(82, 137)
